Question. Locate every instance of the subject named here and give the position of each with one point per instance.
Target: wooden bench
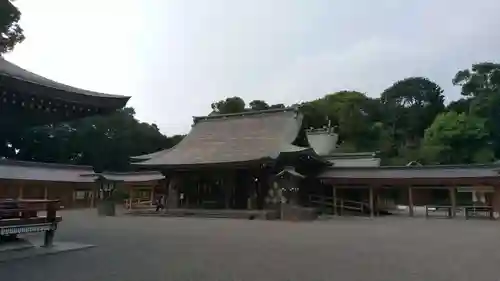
(448, 210)
(22, 216)
(479, 211)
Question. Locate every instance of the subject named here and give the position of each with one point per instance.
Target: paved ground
(385, 249)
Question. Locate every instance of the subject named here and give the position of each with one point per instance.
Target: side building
(75, 185)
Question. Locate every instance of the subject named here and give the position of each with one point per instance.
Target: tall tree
(229, 105)
(11, 32)
(105, 142)
(457, 138)
(482, 78)
(351, 112)
(411, 106)
(481, 85)
(258, 105)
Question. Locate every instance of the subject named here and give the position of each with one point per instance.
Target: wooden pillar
(20, 193)
(173, 199)
(453, 200)
(227, 197)
(93, 196)
(495, 200)
(372, 213)
(73, 197)
(410, 201)
(45, 192)
(152, 195)
(323, 201)
(334, 199)
(130, 197)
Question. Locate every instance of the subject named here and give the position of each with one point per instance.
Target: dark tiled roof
(234, 138)
(150, 155)
(22, 170)
(65, 93)
(141, 176)
(290, 171)
(412, 172)
(350, 155)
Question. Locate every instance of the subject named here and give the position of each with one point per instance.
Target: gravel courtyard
(147, 248)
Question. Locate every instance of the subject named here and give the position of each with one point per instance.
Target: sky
(176, 57)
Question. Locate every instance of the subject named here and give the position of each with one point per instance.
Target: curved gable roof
(234, 138)
(63, 92)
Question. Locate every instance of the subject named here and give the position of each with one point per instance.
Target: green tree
(482, 78)
(258, 105)
(411, 106)
(10, 30)
(351, 112)
(457, 138)
(104, 142)
(277, 105)
(229, 105)
(481, 86)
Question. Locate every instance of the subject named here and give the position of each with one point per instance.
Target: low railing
(138, 203)
(470, 211)
(479, 211)
(448, 210)
(339, 204)
(28, 216)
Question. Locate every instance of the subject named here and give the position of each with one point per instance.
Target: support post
(51, 218)
(130, 197)
(152, 195)
(372, 213)
(453, 200)
(45, 192)
(173, 200)
(20, 193)
(410, 201)
(323, 201)
(227, 196)
(495, 200)
(93, 197)
(73, 197)
(334, 198)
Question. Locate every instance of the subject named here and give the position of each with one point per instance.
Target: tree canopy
(10, 30)
(457, 138)
(406, 122)
(104, 142)
(409, 121)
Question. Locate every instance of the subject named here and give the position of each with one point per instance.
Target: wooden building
(76, 186)
(452, 185)
(28, 100)
(32, 100)
(238, 160)
(232, 160)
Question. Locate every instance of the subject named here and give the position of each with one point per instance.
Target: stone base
(106, 208)
(298, 213)
(15, 252)
(206, 213)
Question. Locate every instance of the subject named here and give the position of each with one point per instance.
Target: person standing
(159, 203)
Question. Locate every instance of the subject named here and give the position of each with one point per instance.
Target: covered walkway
(442, 188)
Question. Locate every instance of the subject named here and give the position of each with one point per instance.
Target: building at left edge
(28, 100)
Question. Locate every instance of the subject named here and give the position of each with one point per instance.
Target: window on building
(81, 194)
